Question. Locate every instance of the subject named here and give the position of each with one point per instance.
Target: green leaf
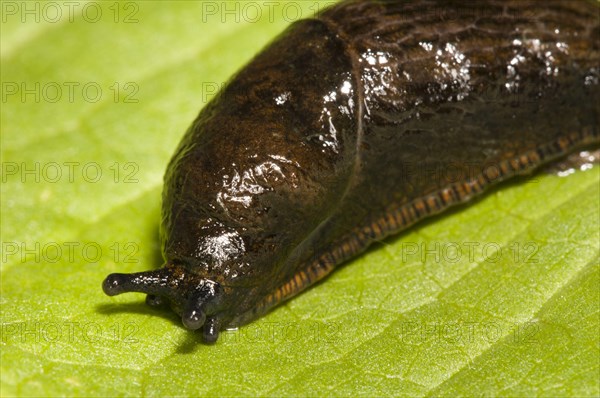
(496, 298)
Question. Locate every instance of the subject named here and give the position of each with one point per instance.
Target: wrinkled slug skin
(316, 147)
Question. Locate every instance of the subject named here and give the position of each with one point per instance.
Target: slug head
(261, 168)
(196, 299)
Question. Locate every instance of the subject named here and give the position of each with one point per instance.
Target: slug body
(313, 150)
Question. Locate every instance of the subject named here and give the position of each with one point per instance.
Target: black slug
(302, 160)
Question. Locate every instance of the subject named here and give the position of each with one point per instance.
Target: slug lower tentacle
(354, 125)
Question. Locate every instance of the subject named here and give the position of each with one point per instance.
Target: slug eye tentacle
(193, 316)
(204, 300)
(155, 282)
